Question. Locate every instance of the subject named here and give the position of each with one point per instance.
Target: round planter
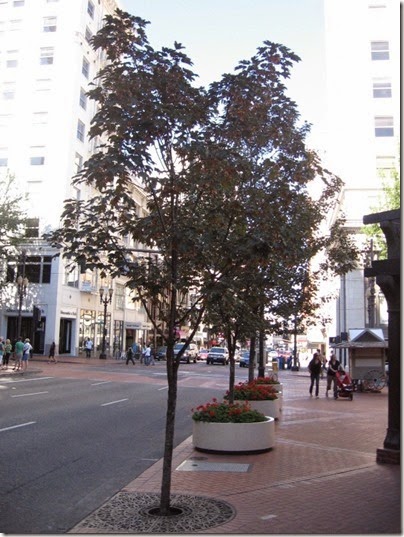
(234, 437)
(268, 408)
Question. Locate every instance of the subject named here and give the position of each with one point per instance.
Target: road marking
(267, 517)
(27, 394)
(17, 426)
(29, 380)
(98, 383)
(114, 402)
(163, 388)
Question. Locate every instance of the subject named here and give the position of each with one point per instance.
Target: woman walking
(315, 371)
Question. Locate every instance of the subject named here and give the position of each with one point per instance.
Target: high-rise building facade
(362, 51)
(47, 65)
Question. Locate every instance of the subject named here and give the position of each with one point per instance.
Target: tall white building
(362, 50)
(46, 66)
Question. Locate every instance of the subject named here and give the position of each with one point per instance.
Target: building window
(78, 162)
(3, 162)
(12, 60)
(37, 268)
(88, 35)
(39, 118)
(380, 50)
(8, 91)
(90, 9)
(49, 24)
(31, 228)
(385, 165)
(381, 88)
(384, 126)
(16, 25)
(46, 57)
(80, 130)
(85, 68)
(18, 3)
(83, 99)
(42, 84)
(37, 161)
(119, 297)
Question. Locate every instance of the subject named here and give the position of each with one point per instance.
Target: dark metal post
(105, 299)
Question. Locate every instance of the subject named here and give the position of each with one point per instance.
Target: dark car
(218, 355)
(161, 353)
(188, 356)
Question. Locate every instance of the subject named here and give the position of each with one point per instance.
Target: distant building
(362, 51)
(46, 67)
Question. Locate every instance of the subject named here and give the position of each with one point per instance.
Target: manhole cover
(197, 466)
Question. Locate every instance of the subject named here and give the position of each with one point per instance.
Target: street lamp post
(105, 299)
(22, 286)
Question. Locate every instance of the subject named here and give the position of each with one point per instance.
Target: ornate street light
(22, 286)
(105, 299)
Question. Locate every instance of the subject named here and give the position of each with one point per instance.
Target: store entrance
(65, 337)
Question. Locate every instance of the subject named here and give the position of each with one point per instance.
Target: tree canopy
(225, 173)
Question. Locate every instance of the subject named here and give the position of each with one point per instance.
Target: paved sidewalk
(320, 478)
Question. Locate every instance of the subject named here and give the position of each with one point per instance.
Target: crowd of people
(19, 353)
(144, 353)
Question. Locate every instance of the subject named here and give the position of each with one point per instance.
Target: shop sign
(138, 325)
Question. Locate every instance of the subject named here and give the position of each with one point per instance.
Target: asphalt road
(68, 444)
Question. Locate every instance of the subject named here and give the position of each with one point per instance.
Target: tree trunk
(172, 376)
(252, 359)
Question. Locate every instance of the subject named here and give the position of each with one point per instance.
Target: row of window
(21, 3)
(36, 268)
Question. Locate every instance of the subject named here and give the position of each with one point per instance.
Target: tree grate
(130, 513)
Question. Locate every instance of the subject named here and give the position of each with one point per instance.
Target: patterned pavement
(320, 478)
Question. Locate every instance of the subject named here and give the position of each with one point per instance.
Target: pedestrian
(52, 349)
(2, 345)
(26, 354)
(142, 354)
(18, 352)
(129, 356)
(147, 355)
(88, 345)
(8, 348)
(135, 350)
(153, 352)
(315, 370)
(333, 366)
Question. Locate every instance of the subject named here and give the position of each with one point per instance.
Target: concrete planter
(234, 437)
(268, 408)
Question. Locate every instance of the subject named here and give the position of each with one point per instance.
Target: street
(74, 435)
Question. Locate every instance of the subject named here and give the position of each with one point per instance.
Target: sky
(218, 34)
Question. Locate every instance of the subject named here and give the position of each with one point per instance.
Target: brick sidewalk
(321, 477)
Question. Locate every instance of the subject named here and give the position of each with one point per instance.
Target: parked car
(203, 354)
(161, 353)
(218, 355)
(190, 353)
(245, 359)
